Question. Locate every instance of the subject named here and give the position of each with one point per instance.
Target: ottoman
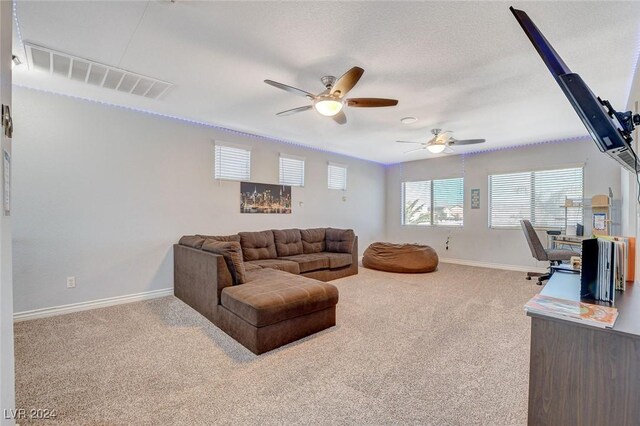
(404, 258)
(276, 308)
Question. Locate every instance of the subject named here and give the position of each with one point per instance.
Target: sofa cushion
(248, 266)
(232, 253)
(310, 262)
(313, 240)
(234, 237)
(193, 241)
(288, 242)
(281, 264)
(275, 296)
(258, 245)
(338, 260)
(339, 240)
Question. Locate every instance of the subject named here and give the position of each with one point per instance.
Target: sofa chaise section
(275, 308)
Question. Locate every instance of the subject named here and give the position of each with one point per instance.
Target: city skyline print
(264, 198)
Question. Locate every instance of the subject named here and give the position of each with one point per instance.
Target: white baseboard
(493, 265)
(118, 300)
(91, 304)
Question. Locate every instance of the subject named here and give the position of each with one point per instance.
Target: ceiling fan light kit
(436, 148)
(327, 105)
(441, 141)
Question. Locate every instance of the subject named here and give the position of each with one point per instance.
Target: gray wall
(475, 241)
(102, 193)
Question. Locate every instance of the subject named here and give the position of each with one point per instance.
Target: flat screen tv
(610, 130)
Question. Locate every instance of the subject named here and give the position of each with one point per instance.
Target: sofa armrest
(198, 278)
(354, 251)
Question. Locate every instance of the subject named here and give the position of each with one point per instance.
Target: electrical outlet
(71, 282)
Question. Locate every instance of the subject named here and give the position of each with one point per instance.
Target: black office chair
(553, 256)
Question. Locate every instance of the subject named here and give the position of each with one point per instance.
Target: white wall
(475, 241)
(7, 390)
(102, 193)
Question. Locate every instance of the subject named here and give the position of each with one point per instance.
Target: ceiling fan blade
(340, 118)
(408, 142)
(347, 81)
(466, 141)
(290, 89)
(294, 110)
(414, 150)
(448, 150)
(371, 102)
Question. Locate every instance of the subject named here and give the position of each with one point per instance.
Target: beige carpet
(446, 348)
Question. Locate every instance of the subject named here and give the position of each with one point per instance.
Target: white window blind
(337, 176)
(538, 196)
(438, 202)
(416, 203)
(448, 197)
(291, 170)
(232, 162)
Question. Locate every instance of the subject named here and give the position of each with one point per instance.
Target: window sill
(432, 226)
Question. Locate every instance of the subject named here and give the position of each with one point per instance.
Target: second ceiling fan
(331, 101)
(441, 142)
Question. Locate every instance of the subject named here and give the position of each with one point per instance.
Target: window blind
(433, 202)
(448, 196)
(232, 162)
(416, 203)
(291, 171)
(337, 176)
(538, 196)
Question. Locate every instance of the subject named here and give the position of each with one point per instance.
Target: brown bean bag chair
(408, 258)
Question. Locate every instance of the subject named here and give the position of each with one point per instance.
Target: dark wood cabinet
(582, 375)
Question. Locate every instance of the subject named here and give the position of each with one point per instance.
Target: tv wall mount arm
(628, 120)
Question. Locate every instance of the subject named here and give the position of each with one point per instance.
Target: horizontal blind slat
(537, 196)
(416, 203)
(448, 197)
(336, 177)
(232, 163)
(291, 171)
(433, 202)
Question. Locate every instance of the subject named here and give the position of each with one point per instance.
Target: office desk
(581, 375)
(573, 241)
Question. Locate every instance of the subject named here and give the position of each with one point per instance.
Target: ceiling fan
(331, 101)
(441, 142)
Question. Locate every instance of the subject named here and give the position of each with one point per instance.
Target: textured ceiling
(462, 66)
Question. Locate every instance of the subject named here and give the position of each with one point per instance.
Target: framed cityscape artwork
(264, 198)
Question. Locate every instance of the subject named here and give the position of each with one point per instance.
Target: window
(291, 170)
(416, 202)
(538, 196)
(232, 162)
(337, 176)
(436, 202)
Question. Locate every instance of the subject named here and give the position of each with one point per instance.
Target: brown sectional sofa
(285, 295)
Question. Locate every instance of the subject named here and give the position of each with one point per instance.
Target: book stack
(606, 267)
(570, 310)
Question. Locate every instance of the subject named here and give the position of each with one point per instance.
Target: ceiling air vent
(83, 70)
